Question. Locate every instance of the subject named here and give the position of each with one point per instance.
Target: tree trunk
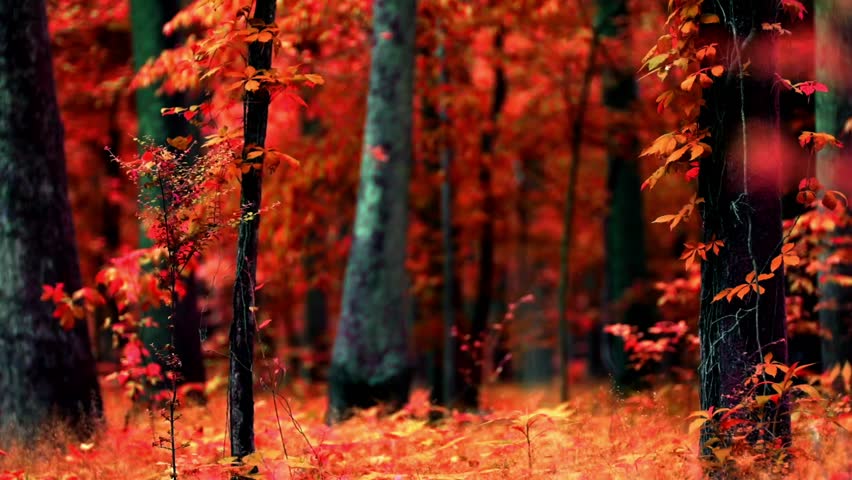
(743, 208)
(624, 225)
(833, 109)
(450, 300)
(485, 274)
(244, 324)
(45, 371)
(577, 124)
(371, 360)
(148, 18)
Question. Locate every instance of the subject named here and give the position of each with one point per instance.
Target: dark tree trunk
(485, 274)
(244, 324)
(111, 231)
(148, 18)
(742, 207)
(371, 359)
(537, 357)
(624, 225)
(577, 123)
(450, 299)
(45, 371)
(441, 355)
(833, 109)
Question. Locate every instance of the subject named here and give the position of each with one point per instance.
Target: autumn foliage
(509, 99)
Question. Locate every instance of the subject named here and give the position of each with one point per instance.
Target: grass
(524, 434)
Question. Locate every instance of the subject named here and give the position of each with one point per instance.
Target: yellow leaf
(181, 143)
(696, 424)
(687, 84)
(655, 61)
(664, 219)
(314, 78)
(722, 453)
(675, 155)
(252, 85)
(809, 391)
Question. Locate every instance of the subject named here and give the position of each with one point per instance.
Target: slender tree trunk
(111, 231)
(485, 275)
(371, 359)
(833, 110)
(577, 123)
(45, 371)
(537, 364)
(742, 207)
(624, 225)
(244, 324)
(450, 302)
(148, 18)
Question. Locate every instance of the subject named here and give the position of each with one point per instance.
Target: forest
(434, 239)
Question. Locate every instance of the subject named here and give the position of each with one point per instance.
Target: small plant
(751, 435)
(180, 208)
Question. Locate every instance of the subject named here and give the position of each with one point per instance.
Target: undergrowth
(524, 434)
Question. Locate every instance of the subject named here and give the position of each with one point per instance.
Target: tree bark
(743, 208)
(833, 110)
(46, 372)
(147, 18)
(244, 324)
(371, 359)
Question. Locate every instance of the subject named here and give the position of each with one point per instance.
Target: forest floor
(524, 434)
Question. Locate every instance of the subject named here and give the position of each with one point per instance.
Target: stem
(173, 401)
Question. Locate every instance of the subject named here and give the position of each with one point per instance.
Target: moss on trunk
(371, 360)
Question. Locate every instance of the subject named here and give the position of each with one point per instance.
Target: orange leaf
(776, 263)
(252, 86)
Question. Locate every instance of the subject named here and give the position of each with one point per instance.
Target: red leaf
(153, 370)
(264, 324)
(691, 174)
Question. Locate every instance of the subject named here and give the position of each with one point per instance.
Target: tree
(833, 111)
(741, 207)
(487, 241)
(244, 323)
(148, 18)
(371, 359)
(624, 226)
(577, 123)
(45, 370)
